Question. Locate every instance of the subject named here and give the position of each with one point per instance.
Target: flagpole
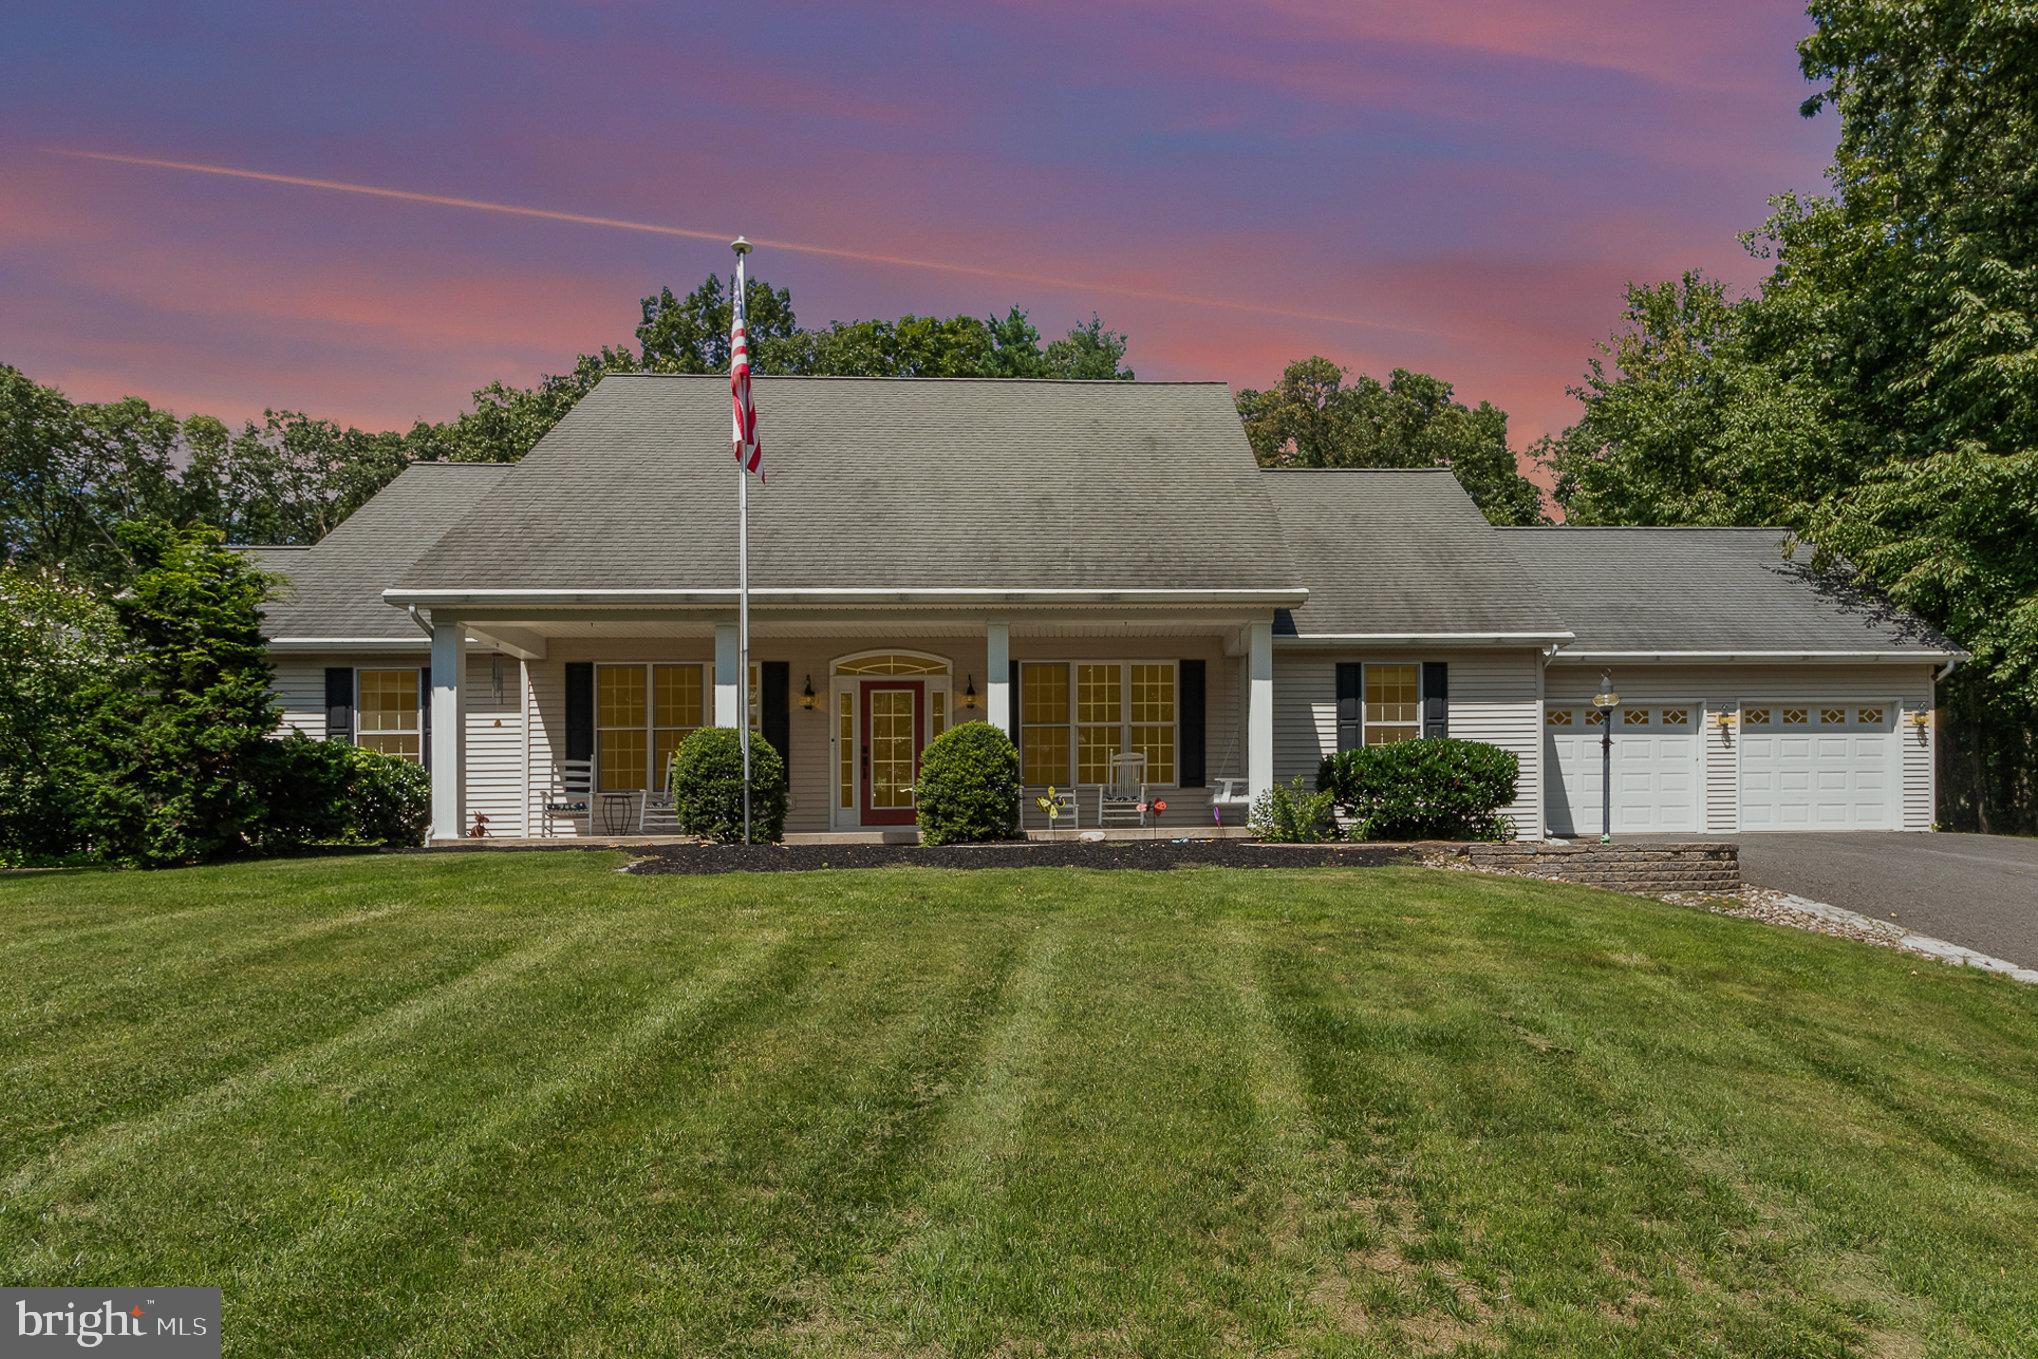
(742, 248)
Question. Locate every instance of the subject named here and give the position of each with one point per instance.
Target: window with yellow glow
(1557, 717)
(621, 742)
(1044, 722)
(386, 713)
(1392, 704)
(1075, 716)
(679, 708)
(1099, 719)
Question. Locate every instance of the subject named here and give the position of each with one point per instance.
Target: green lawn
(524, 1105)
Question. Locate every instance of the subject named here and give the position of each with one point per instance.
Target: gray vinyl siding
(1721, 688)
(1493, 698)
(495, 727)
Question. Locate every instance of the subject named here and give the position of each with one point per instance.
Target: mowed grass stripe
(129, 1140)
(716, 1220)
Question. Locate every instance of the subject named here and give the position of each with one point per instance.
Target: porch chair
(1230, 793)
(570, 796)
(1122, 802)
(656, 814)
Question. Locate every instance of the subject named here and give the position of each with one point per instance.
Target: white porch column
(728, 685)
(449, 728)
(998, 679)
(1259, 711)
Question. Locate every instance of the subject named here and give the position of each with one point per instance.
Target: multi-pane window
(1832, 717)
(1557, 717)
(1392, 705)
(1871, 716)
(386, 713)
(621, 742)
(1153, 718)
(1044, 721)
(1075, 716)
(678, 709)
(1756, 717)
(1595, 717)
(643, 712)
(1100, 718)
(845, 749)
(1634, 717)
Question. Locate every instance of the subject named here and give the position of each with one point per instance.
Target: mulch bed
(1140, 854)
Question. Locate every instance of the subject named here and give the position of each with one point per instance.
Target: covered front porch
(557, 722)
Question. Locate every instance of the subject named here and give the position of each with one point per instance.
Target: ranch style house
(1099, 568)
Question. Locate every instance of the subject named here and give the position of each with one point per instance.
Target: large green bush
(1423, 790)
(707, 786)
(968, 789)
(332, 793)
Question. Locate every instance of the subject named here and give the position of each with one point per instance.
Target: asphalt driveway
(1976, 890)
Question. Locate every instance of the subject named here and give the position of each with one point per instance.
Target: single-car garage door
(1818, 766)
(1655, 767)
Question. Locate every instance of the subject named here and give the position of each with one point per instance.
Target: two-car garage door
(1799, 765)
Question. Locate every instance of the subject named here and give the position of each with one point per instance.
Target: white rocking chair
(1122, 801)
(570, 797)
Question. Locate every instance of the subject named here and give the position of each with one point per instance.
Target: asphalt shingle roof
(878, 483)
(1706, 589)
(335, 587)
(1399, 551)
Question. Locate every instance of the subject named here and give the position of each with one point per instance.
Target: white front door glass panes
(893, 739)
(1391, 708)
(387, 714)
(1076, 715)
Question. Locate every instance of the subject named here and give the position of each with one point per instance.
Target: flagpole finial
(740, 246)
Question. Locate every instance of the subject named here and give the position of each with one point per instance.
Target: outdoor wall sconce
(1724, 721)
(1921, 720)
(969, 693)
(807, 699)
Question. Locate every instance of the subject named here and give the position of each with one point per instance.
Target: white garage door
(1655, 767)
(1818, 766)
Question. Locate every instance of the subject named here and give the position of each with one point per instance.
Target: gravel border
(1147, 855)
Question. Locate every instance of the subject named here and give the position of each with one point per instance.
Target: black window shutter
(340, 703)
(425, 714)
(1190, 710)
(775, 682)
(1436, 699)
(1350, 732)
(579, 710)
(1012, 698)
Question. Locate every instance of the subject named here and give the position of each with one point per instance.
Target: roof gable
(904, 484)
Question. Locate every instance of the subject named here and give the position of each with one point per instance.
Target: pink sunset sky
(1461, 188)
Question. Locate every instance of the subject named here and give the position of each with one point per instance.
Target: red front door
(894, 733)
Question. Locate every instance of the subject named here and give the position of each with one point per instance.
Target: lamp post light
(1608, 703)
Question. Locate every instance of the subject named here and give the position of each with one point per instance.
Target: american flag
(749, 453)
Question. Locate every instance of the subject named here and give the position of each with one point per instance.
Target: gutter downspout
(1946, 670)
(1938, 677)
(419, 619)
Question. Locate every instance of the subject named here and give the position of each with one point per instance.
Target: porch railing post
(998, 676)
(449, 744)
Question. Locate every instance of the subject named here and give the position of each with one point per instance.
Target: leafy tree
(1684, 424)
(1313, 418)
(69, 472)
(57, 642)
(169, 763)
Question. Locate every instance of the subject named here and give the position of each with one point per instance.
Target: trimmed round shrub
(707, 787)
(333, 793)
(1435, 789)
(968, 789)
